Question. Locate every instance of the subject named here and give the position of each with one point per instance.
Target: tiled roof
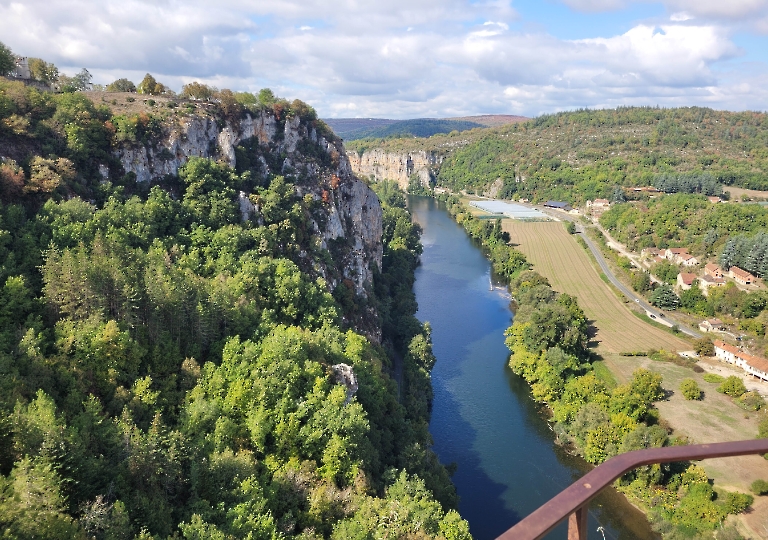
(756, 362)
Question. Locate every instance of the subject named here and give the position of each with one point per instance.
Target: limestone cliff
(350, 223)
(381, 165)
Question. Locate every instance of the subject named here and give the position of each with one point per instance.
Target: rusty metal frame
(572, 502)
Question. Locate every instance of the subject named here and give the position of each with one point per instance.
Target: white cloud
(402, 58)
(720, 9)
(680, 16)
(591, 6)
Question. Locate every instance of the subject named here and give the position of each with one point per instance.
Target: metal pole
(577, 524)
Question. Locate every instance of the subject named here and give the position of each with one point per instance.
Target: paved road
(626, 291)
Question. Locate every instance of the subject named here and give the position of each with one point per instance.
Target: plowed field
(558, 257)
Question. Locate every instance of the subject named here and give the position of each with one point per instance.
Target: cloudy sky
(416, 58)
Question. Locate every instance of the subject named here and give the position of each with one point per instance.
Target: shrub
(751, 401)
(714, 378)
(759, 487)
(732, 386)
(736, 503)
(690, 389)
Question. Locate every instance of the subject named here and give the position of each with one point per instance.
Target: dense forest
(171, 368)
(592, 414)
(581, 155)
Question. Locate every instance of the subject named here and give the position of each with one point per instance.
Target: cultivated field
(716, 418)
(736, 193)
(567, 265)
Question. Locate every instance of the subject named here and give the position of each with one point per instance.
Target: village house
(687, 260)
(715, 199)
(711, 325)
(754, 365)
(685, 280)
(706, 281)
(597, 207)
(650, 252)
(672, 254)
(741, 276)
(713, 270)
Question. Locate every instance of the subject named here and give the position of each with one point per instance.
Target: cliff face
(383, 165)
(349, 223)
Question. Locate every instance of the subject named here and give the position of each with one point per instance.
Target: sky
(416, 58)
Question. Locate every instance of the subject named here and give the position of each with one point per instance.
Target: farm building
(558, 205)
(711, 325)
(741, 276)
(754, 365)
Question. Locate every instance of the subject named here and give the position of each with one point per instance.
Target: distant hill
(351, 129)
(493, 120)
(584, 154)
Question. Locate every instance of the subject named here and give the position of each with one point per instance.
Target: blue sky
(417, 58)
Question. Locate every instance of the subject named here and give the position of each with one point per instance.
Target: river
(483, 417)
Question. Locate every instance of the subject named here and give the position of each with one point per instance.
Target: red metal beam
(578, 494)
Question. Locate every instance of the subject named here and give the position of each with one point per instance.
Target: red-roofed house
(672, 253)
(685, 280)
(754, 365)
(741, 276)
(711, 325)
(713, 270)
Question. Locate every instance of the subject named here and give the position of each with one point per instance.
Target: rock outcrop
(351, 220)
(380, 165)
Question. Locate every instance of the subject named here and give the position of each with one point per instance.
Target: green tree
(267, 97)
(196, 90)
(664, 297)
(704, 347)
(641, 281)
(665, 271)
(690, 389)
(150, 86)
(43, 71)
(7, 60)
(693, 299)
(121, 85)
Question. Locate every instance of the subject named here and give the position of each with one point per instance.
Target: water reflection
(483, 418)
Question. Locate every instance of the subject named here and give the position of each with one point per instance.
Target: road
(626, 291)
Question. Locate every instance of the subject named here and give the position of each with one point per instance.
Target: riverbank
(483, 417)
(530, 367)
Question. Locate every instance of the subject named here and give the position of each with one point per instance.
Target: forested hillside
(353, 129)
(203, 355)
(580, 155)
